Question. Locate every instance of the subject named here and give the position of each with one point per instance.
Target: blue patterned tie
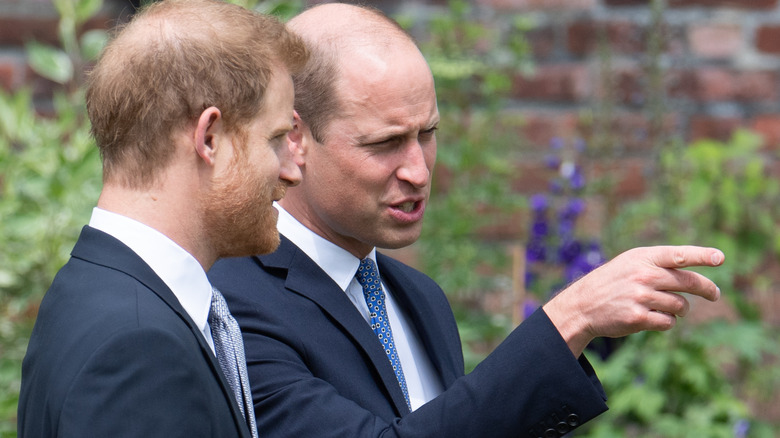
(229, 348)
(368, 277)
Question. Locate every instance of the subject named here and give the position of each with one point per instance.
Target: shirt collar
(338, 263)
(177, 268)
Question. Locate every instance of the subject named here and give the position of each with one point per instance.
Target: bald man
(343, 341)
(190, 105)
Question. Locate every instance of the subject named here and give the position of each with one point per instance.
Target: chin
(401, 241)
(249, 245)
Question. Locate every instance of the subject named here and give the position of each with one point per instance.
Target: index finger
(684, 256)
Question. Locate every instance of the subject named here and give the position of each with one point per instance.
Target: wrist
(570, 325)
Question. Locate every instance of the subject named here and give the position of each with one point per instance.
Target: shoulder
(391, 266)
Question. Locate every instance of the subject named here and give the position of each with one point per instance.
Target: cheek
(430, 156)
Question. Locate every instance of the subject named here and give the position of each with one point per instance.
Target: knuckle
(690, 281)
(679, 257)
(681, 306)
(669, 322)
(646, 277)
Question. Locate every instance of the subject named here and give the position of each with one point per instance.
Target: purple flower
(539, 229)
(552, 161)
(556, 187)
(535, 252)
(569, 251)
(741, 428)
(539, 202)
(530, 278)
(565, 228)
(556, 143)
(593, 255)
(572, 209)
(529, 307)
(573, 272)
(577, 179)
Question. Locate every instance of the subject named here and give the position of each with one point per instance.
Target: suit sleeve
(531, 385)
(141, 383)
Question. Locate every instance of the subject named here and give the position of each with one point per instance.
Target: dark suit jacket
(317, 369)
(114, 354)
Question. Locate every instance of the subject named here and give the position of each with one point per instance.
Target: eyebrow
(282, 130)
(391, 133)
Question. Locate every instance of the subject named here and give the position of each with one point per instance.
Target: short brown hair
(172, 61)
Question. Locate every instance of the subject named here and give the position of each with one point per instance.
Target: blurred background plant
(706, 378)
(49, 179)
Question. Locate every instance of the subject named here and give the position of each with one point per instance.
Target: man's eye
(429, 132)
(383, 143)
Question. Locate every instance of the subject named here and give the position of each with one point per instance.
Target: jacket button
(551, 433)
(562, 427)
(573, 420)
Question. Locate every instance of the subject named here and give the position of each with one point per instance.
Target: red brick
(537, 128)
(756, 86)
(628, 175)
(716, 128)
(629, 86)
(12, 73)
(768, 39)
(740, 4)
(521, 5)
(715, 41)
(768, 125)
(621, 36)
(542, 40)
(626, 2)
(629, 131)
(531, 177)
(554, 83)
(713, 84)
(16, 31)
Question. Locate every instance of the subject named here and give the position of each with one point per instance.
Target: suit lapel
(424, 318)
(306, 278)
(103, 249)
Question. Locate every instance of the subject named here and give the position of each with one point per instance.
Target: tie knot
(219, 308)
(367, 272)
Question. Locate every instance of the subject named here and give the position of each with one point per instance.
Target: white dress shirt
(177, 268)
(422, 381)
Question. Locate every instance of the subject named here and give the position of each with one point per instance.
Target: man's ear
(207, 133)
(298, 139)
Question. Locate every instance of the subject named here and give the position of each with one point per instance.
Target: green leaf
(92, 43)
(85, 9)
(50, 62)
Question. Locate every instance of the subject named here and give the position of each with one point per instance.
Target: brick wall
(721, 62)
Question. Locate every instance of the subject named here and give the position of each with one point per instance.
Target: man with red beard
(190, 107)
(343, 341)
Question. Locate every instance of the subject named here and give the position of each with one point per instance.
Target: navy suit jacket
(317, 369)
(113, 354)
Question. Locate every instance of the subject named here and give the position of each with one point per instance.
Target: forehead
(393, 87)
(278, 100)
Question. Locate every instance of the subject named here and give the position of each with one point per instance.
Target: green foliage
(725, 199)
(49, 180)
(703, 380)
(671, 384)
